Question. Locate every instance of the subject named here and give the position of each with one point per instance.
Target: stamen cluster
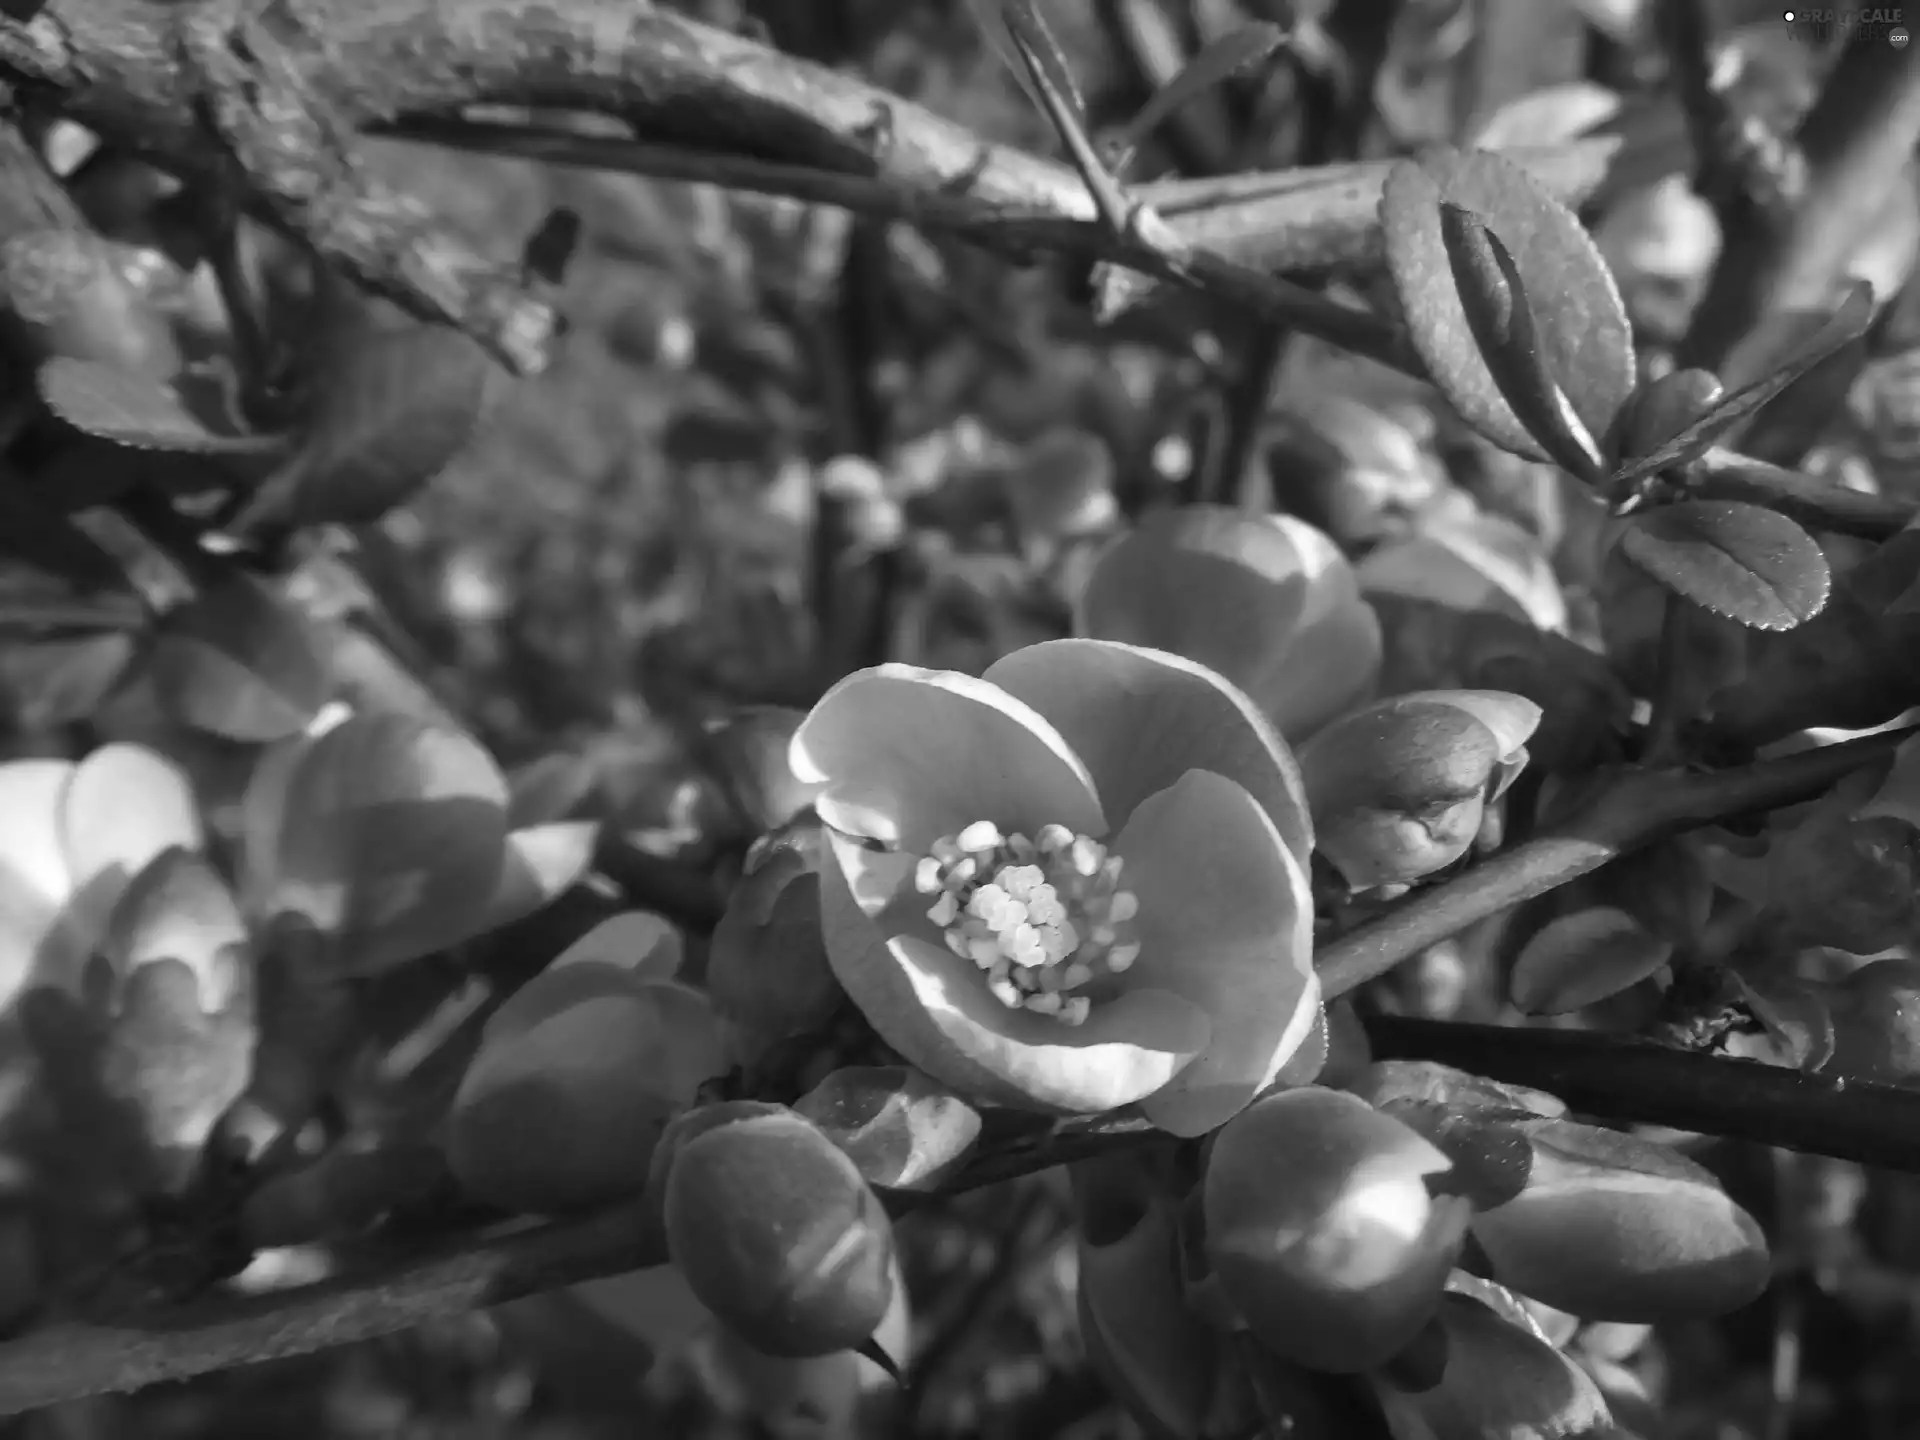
(1043, 917)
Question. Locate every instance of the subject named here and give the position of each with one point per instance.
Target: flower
(1074, 883)
(1300, 640)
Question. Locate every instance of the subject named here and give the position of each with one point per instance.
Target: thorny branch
(267, 99)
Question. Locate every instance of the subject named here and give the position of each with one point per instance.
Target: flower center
(1043, 917)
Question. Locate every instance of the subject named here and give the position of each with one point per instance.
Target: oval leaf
(1809, 349)
(1585, 341)
(1234, 53)
(1583, 958)
(1613, 1227)
(383, 833)
(394, 409)
(1737, 560)
(903, 1130)
(1501, 318)
(136, 410)
(1019, 34)
(238, 662)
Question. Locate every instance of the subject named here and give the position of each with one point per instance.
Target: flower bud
(1501, 1380)
(1665, 407)
(1400, 789)
(779, 1236)
(748, 749)
(767, 969)
(1304, 645)
(1160, 1361)
(573, 1085)
(1321, 1229)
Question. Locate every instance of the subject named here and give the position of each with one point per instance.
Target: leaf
(179, 1047)
(1613, 1227)
(1899, 794)
(44, 540)
(1015, 29)
(122, 808)
(901, 1129)
(136, 410)
(1501, 319)
(393, 410)
(1582, 958)
(380, 833)
(1548, 116)
(1475, 563)
(45, 684)
(541, 863)
(563, 1108)
(1585, 341)
(1397, 1082)
(237, 661)
(1747, 563)
(1806, 351)
(644, 945)
(1137, 1329)
(1231, 54)
(1504, 1379)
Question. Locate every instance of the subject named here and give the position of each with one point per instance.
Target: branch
(1819, 504)
(1631, 1080)
(217, 93)
(72, 1361)
(1640, 807)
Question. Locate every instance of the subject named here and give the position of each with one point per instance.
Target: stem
(69, 1361)
(1637, 1080)
(1670, 691)
(1818, 504)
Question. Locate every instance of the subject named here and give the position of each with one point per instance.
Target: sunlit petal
(1226, 921)
(33, 874)
(123, 807)
(907, 755)
(1140, 719)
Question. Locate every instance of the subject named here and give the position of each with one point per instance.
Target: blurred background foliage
(631, 548)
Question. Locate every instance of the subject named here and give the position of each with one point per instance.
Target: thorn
(869, 1349)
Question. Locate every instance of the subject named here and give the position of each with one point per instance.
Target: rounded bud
(1304, 645)
(1667, 406)
(1400, 789)
(748, 750)
(767, 968)
(779, 1236)
(1321, 1230)
(575, 1081)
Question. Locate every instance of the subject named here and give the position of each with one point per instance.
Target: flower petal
(1226, 921)
(123, 807)
(933, 1007)
(1141, 719)
(1303, 643)
(907, 755)
(33, 873)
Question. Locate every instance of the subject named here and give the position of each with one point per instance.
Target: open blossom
(1074, 883)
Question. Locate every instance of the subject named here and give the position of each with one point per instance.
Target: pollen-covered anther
(1042, 917)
